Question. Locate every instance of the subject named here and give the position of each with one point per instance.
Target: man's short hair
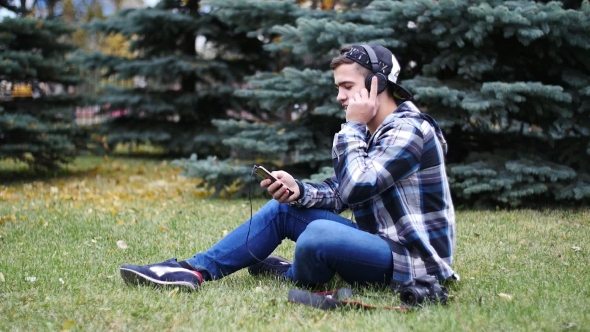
(343, 60)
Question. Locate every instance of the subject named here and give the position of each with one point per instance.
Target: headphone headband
(372, 57)
(386, 71)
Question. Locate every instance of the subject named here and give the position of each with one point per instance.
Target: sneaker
(272, 265)
(167, 273)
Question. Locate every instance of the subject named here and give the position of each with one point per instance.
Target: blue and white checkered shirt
(395, 183)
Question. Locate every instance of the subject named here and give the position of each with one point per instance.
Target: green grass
(64, 233)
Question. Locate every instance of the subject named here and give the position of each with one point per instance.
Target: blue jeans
(326, 243)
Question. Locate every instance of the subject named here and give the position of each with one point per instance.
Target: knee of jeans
(273, 207)
(276, 207)
(314, 237)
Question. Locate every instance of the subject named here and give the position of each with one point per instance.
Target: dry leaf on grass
(3, 219)
(158, 183)
(2, 277)
(173, 292)
(68, 324)
(122, 245)
(570, 325)
(127, 184)
(506, 297)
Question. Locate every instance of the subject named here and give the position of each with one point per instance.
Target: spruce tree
(291, 105)
(508, 81)
(36, 123)
(183, 87)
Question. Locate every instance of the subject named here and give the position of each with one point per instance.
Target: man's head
(372, 60)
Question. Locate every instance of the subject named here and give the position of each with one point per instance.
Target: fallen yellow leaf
(68, 324)
(8, 218)
(173, 292)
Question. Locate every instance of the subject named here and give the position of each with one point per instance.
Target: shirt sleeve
(322, 195)
(364, 172)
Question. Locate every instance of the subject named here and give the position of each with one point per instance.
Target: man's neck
(386, 107)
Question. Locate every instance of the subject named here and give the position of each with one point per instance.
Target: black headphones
(381, 79)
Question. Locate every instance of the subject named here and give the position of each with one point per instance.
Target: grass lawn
(63, 239)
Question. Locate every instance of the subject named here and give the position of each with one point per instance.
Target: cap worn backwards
(387, 64)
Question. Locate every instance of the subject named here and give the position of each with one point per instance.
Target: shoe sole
(134, 277)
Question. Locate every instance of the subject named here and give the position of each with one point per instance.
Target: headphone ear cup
(381, 82)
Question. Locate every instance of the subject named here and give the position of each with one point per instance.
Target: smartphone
(265, 174)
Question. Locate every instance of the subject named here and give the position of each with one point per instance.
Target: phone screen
(263, 173)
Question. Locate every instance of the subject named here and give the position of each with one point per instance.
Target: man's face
(349, 81)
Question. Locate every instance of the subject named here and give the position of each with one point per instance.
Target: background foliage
(508, 82)
(185, 65)
(227, 84)
(37, 126)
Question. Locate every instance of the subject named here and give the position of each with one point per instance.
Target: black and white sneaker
(272, 265)
(167, 273)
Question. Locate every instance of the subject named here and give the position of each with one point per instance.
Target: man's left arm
(363, 173)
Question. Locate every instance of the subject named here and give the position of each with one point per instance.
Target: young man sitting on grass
(388, 169)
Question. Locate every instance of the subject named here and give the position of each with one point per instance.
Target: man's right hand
(279, 189)
(363, 106)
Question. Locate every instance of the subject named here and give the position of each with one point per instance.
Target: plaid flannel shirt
(395, 183)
